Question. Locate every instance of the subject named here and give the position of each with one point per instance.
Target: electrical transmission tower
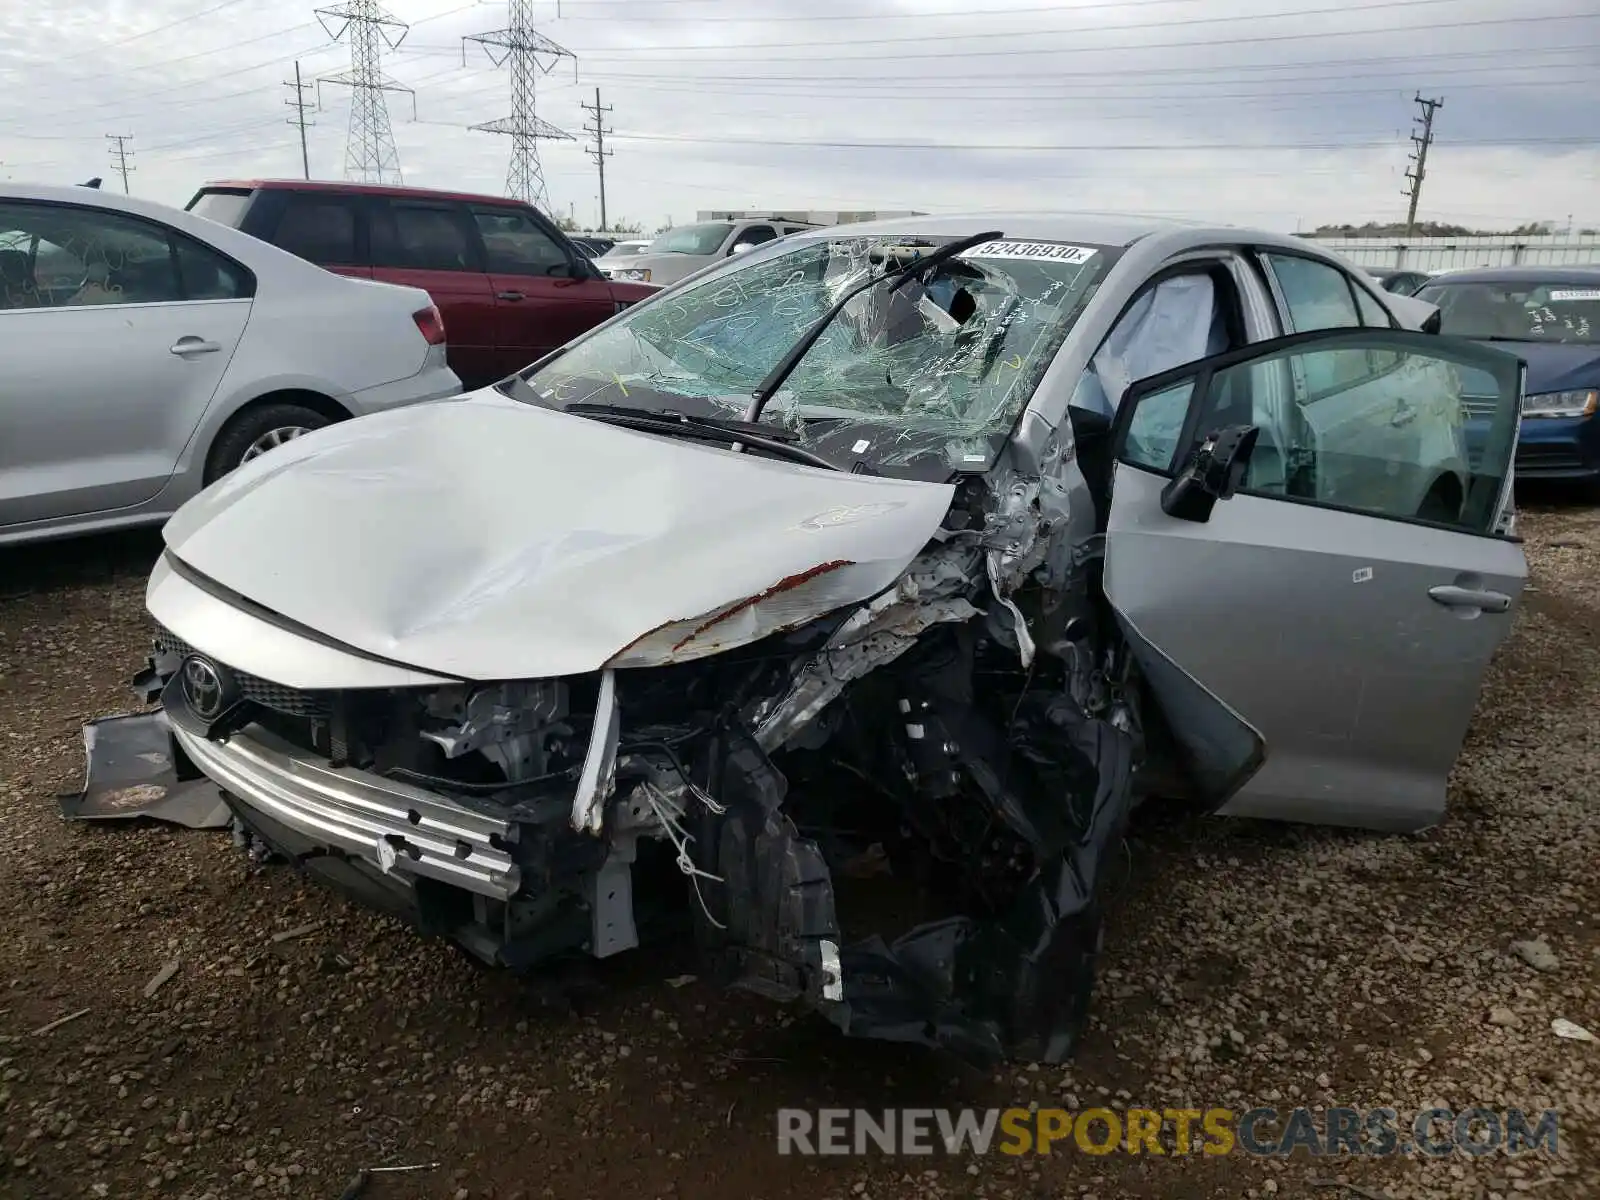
(530, 54)
(300, 105)
(119, 156)
(1422, 140)
(370, 155)
(598, 151)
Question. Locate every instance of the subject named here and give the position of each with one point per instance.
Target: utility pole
(530, 55)
(598, 151)
(300, 105)
(370, 155)
(119, 156)
(1420, 156)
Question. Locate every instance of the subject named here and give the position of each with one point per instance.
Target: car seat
(17, 286)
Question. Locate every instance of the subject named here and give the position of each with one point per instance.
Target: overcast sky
(1286, 114)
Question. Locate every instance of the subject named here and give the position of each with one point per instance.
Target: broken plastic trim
(598, 779)
(131, 773)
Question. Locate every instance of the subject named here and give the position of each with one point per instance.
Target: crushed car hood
(487, 539)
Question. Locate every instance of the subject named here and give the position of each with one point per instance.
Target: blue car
(1550, 317)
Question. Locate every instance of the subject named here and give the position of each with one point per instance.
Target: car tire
(257, 430)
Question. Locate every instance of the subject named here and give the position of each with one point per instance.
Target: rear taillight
(431, 324)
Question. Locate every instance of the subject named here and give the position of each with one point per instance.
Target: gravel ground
(1247, 964)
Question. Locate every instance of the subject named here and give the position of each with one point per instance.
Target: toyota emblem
(202, 688)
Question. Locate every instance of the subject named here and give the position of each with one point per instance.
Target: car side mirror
(1434, 323)
(740, 248)
(1213, 472)
(574, 271)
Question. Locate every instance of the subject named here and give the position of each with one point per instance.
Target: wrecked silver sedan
(931, 543)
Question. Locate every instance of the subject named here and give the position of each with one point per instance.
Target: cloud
(1284, 115)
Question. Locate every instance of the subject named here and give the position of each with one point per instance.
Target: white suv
(684, 250)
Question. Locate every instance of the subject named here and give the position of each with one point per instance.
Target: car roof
(1573, 273)
(76, 194)
(1105, 229)
(252, 252)
(361, 189)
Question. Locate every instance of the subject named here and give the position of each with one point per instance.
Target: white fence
(1445, 253)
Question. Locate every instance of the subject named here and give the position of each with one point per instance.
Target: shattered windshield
(1518, 311)
(936, 370)
(690, 239)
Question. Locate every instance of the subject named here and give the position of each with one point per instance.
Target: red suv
(510, 285)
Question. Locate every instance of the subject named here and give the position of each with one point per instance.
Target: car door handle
(509, 296)
(1452, 596)
(186, 346)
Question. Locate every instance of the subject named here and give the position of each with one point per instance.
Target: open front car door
(1302, 552)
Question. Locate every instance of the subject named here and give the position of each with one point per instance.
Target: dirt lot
(1247, 964)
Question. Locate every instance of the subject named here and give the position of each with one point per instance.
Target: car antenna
(775, 378)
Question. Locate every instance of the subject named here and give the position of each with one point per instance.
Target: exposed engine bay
(757, 795)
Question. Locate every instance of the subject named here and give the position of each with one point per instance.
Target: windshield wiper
(706, 429)
(731, 424)
(775, 378)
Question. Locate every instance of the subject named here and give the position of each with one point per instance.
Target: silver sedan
(949, 537)
(148, 352)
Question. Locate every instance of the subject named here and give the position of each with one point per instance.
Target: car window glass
(320, 229)
(1403, 433)
(422, 237)
(207, 275)
(225, 206)
(54, 255)
(691, 239)
(1156, 425)
(755, 235)
(516, 245)
(1315, 293)
(1372, 313)
(1523, 310)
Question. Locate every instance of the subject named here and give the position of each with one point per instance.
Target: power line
(1129, 27)
(101, 47)
(1186, 44)
(599, 153)
(1029, 80)
(1095, 148)
(1022, 100)
(300, 105)
(234, 45)
(824, 18)
(119, 156)
(903, 39)
(530, 54)
(370, 153)
(1420, 157)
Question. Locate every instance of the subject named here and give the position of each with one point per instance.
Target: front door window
(1374, 422)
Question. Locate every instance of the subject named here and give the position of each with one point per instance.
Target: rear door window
(320, 229)
(424, 237)
(1372, 313)
(65, 256)
(757, 234)
(1316, 295)
(206, 275)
